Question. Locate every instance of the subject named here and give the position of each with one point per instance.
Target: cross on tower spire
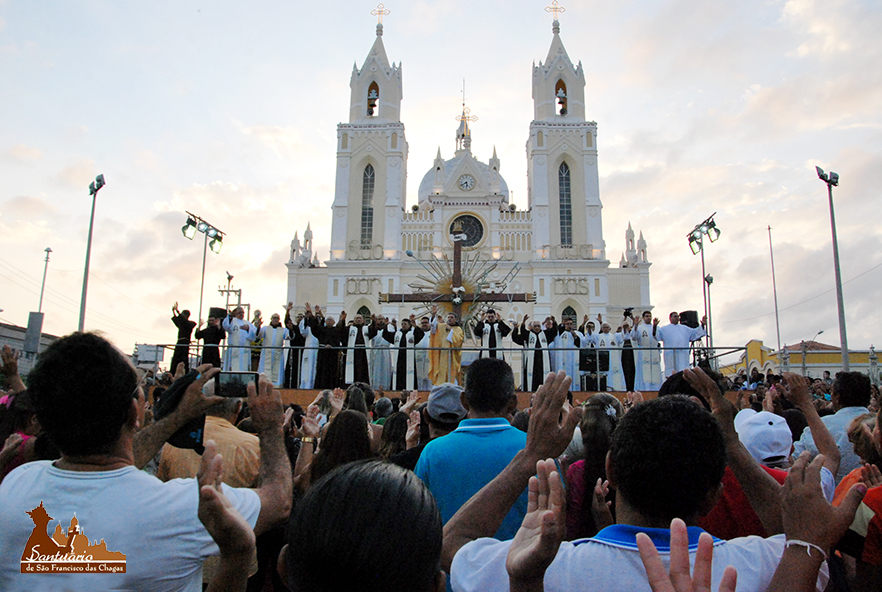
(464, 132)
(555, 8)
(380, 11)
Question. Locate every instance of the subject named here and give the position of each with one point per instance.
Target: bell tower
(371, 161)
(564, 188)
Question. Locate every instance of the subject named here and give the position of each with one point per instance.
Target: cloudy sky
(229, 109)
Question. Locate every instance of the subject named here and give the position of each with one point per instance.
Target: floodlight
(696, 234)
(202, 226)
(821, 174)
(189, 229)
(695, 245)
(713, 233)
(834, 179)
(211, 232)
(216, 244)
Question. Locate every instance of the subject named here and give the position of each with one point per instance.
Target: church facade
(553, 250)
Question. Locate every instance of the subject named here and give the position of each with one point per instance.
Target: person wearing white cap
(769, 441)
(766, 437)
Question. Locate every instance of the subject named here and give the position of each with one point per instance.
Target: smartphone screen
(233, 384)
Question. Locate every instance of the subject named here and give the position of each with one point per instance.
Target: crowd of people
(699, 488)
(311, 349)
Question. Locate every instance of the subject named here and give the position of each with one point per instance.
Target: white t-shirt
(610, 561)
(154, 524)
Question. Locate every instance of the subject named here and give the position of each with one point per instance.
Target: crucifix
(457, 295)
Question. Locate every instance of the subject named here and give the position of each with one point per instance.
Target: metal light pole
(198, 224)
(831, 181)
(696, 243)
(94, 187)
(775, 296)
(708, 280)
(43, 287)
(202, 284)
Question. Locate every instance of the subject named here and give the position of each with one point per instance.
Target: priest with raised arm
(491, 330)
(537, 358)
(272, 350)
(681, 337)
(404, 340)
(357, 338)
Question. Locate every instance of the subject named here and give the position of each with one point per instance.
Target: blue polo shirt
(456, 466)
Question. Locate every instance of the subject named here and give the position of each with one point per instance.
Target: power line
(802, 302)
(91, 274)
(104, 321)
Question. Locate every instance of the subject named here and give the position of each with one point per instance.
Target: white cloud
(24, 153)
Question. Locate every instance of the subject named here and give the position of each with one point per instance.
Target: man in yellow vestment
(449, 338)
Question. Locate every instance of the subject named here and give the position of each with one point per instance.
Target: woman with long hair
(601, 414)
(394, 435)
(345, 440)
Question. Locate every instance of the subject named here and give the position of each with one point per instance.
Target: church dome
(450, 173)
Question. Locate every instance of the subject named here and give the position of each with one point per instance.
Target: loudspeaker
(689, 318)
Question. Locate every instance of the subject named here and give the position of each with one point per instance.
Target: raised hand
(551, 423)
(413, 397)
(797, 391)
(224, 523)
(871, 476)
(288, 423)
(265, 405)
(412, 437)
(680, 580)
(337, 400)
(806, 514)
(600, 508)
(194, 402)
(309, 427)
(536, 543)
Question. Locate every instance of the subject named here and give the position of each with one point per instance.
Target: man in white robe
(567, 346)
(491, 330)
(380, 357)
(404, 342)
(273, 353)
(358, 348)
(240, 333)
(537, 358)
(606, 344)
(310, 352)
(681, 337)
(649, 374)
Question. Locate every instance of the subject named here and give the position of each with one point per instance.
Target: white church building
(553, 250)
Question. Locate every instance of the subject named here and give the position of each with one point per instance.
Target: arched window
(367, 208)
(566, 208)
(373, 98)
(569, 314)
(365, 312)
(560, 93)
